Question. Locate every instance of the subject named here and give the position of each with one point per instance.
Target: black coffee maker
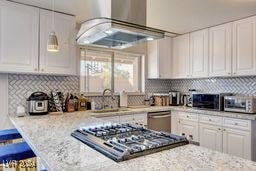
(174, 98)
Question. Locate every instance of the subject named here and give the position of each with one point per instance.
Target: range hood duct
(118, 24)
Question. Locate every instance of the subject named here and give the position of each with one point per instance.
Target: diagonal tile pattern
(21, 86)
(237, 85)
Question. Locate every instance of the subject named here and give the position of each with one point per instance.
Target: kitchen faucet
(103, 97)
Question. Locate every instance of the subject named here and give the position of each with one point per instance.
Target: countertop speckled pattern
(179, 108)
(49, 137)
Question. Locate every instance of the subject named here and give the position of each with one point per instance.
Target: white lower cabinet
(232, 136)
(211, 136)
(174, 122)
(189, 129)
(114, 119)
(140, 119)
(228, 135)
(237, 143)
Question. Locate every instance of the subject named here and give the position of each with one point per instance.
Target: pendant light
(52, 43)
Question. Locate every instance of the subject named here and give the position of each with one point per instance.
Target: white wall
(4, 120)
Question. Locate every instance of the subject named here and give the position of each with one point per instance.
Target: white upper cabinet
(159, 58)
(64, 61)
(244, 47)
(19, 29)
(180, 57)
(199, 53)
(220, 50)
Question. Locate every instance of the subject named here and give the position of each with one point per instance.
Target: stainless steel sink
(109, 110)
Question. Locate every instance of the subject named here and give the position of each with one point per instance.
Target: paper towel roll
(123, 99)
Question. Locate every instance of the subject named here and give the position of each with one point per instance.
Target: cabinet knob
(183, 134)
(187, 116)
(160, 75)
(35, 69)
(219, 129)
(236, 123)
(224, 129)
(42, 70)
(210, 120)
(229, 73)
(234, 73)
(190, 137)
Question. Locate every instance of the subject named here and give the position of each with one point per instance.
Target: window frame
(141, 69)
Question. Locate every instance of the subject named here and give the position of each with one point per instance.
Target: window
(114, 70)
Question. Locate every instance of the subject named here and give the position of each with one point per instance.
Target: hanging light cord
(53, 15)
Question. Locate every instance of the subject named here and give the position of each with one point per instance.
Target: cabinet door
(244, 46)
(153, 60)
(114, 119)
(141, 119)
(127, 119)
(159, 58)
(64, 61)
(189, 129)
(165, 57)
(211, 137)
(174, 122)
(220, 50)
(237, 143)
(180, 57)
(19, 28)
(199, 53)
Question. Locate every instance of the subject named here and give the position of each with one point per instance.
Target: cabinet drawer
(215, 120)
(114, 119)
(127, 119)
(141, 118)
(188, 116)
(237, 123)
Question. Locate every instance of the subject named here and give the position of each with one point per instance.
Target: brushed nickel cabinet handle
(35, 69)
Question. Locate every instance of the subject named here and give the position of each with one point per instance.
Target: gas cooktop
(125, 141)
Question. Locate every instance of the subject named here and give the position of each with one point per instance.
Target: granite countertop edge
(176, 108)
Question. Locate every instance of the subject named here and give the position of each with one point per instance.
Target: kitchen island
(49, 137)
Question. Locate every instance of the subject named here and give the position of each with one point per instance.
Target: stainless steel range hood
(118, 24)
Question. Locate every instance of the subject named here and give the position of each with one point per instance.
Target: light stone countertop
(49, 137)
(178, 108)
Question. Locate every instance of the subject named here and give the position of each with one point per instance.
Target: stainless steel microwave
(209, 101)
(244, 104)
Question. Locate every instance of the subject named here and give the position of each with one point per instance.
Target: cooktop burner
(125, 141)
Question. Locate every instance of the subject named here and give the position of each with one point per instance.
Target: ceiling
(180, 16)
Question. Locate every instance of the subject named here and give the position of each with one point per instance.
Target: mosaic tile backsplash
(237, 85)
(21, 86)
